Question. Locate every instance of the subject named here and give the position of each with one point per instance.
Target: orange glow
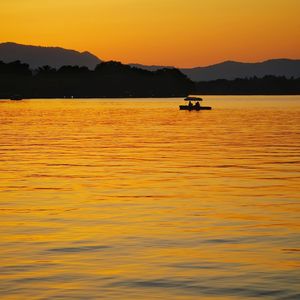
(170, 32)
(113, 197)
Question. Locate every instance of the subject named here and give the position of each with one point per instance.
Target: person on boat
(190, 104)
(197, 105)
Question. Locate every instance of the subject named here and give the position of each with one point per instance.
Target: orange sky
(180, 33)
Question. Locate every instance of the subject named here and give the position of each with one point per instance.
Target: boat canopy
(193, 98)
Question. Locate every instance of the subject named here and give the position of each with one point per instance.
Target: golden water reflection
(131, 199)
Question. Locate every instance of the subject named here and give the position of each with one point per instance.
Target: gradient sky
(180, 33)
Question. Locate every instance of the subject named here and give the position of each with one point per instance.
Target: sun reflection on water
(124, 199)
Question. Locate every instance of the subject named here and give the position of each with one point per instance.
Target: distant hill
(40, 56)
(230, 70)
(57, 57)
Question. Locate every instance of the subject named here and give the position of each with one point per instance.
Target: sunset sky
(182, 33)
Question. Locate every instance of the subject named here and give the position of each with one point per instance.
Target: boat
(192, 106)
(16, 97)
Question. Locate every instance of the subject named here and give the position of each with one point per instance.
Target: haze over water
(134, 199)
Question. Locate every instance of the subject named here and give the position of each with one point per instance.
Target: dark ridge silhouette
(231, 70)
(57, 57)
(40, 56)
(109, 79)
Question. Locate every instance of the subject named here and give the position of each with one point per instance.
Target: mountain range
(231, 69)
(56, 57)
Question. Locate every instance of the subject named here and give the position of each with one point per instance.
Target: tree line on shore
(108, 79)
(267, 85)
(114, 79)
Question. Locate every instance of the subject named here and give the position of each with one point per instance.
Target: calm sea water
(134, 199)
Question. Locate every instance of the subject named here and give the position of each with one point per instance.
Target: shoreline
(141, 97)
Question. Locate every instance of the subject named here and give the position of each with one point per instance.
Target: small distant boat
(192, 106)
(16, 97)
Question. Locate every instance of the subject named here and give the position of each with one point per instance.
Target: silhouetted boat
(195, 106)
(16, 97)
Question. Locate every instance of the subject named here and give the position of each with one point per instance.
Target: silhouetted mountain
(57, 57)
(232, 70)
(40, 56)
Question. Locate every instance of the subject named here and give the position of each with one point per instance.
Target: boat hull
(186, 107)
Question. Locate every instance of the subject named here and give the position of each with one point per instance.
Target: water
(134, 199)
